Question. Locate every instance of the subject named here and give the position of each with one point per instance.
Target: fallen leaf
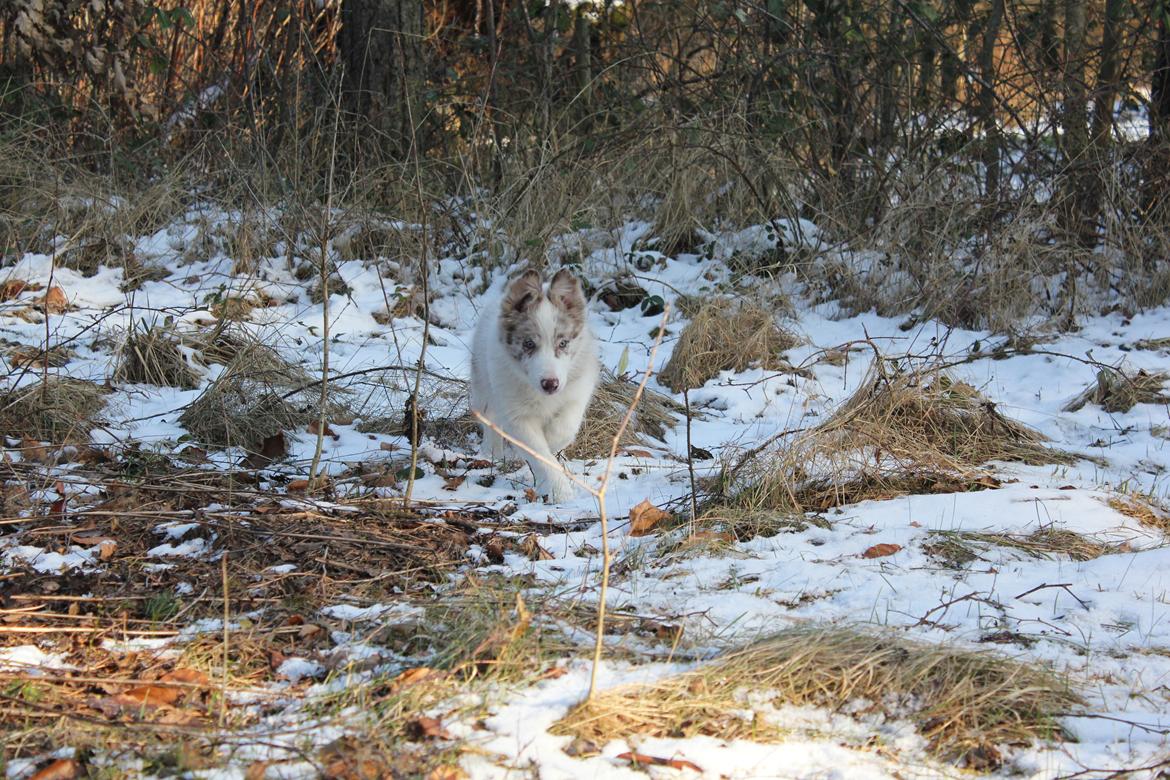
(89, 540)
(447, 772)
(645, 517)
(494, 549)
(315, 428)
(271, 448)
(530, 494)
(453, 483)
(413, 677)
(61, 769)
(32, 449)
(298, 485)
(275, 658)
(12, 288)
(478, 463)
(106, 549)
(881, 550)
(151, 695)
(532, 549)
(673, 763)
(428, 728)
(186, 676)
(55, 301)
(638, 453)
(387, 446)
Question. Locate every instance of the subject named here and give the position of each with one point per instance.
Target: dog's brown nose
(550, 385)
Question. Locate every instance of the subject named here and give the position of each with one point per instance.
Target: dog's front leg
(562, 429)
(550, 477)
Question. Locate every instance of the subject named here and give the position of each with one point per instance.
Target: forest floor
(172, 608)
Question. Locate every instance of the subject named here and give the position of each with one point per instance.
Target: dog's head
(542, 332)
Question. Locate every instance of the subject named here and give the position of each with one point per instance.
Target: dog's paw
(557, 489)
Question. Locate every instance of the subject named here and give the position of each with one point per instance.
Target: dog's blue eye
(529, 344)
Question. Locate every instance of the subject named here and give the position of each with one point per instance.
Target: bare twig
(323, 228)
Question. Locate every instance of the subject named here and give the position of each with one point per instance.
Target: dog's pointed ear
(523, 292)
(565, 291)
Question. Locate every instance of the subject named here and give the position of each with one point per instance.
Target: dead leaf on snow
(413, 677)
(61, 769)
(645, 517)
(55, 301)
(428, 728)
(881, 550)
(532, 549)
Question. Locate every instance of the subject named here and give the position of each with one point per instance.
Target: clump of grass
(958, 548)
(58, 409)
(1116, 391)
(257, 395)
(903, 431)
(725, 336)
(653, 417)
(964, 703)
(151, 355)
(1143, 509)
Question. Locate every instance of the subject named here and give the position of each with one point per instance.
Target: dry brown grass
(59, 410)
(958, 548)
(1143, 509)
(901, 432)
(1116, 391)
(654, 416)
(964, 703)
(258, 394)
(152, 356)
(726, 336)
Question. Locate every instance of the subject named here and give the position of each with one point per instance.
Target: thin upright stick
(324, 237)
(413, 430)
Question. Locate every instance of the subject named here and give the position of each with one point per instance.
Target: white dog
(534, 367)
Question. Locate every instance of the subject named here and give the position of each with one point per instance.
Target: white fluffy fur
(507, 390)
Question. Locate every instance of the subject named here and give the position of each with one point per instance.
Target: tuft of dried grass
(903, 431)
(257, 395)
(726, 336)
(653, 417)
(957, 548)
(151, 356)
(1116, 391)
(58, 409)
(964, 702)
(1143, 509)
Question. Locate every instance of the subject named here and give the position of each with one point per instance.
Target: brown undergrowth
(902, 431)
(964, 703)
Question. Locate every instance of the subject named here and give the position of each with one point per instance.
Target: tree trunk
(1105, 94)
(1153, 184)
(987, 99)
(1160, 78)
(1074, 127)
(380, 44)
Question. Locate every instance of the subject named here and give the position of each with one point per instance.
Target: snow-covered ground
(1105, 622)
